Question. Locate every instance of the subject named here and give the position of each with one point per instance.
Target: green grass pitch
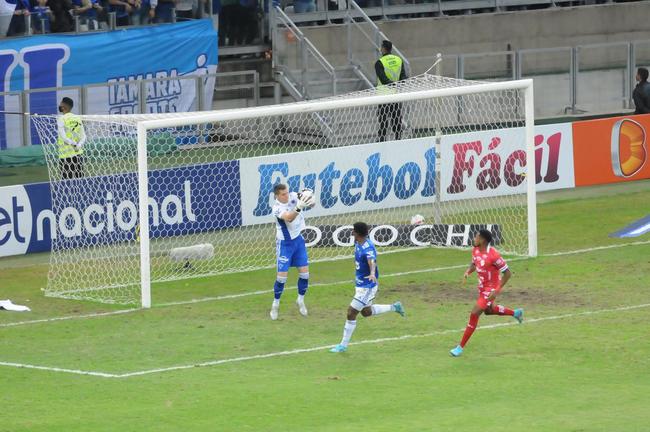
(578, 372)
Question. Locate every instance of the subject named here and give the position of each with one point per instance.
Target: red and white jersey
(489, 265)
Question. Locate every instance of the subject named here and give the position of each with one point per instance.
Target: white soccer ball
(306, 195)
(417, 220)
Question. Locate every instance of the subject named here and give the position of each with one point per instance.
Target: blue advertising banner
(344, 180)
(177, 51)
(103, 210)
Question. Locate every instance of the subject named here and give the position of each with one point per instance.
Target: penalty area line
(216, 298)
(347, 281)
(311, 349)
(405, 273)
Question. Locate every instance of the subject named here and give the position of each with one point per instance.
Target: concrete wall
(500, 31)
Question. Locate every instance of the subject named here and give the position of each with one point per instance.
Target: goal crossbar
(333, 103)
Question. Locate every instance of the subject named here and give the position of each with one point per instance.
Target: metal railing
(305, 73)
(232, 90)
(373, 35)
(82, 24)
(383, 9)
(299, 64)
(584, 79)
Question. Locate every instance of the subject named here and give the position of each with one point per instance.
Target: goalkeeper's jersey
(288, 230)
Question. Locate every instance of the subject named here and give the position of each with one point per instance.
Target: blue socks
(279, 287)
(303, 283)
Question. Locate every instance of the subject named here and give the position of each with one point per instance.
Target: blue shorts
(291, 253)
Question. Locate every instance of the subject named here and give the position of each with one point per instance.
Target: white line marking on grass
(347, 281)
(56, 369)
(69, 317)
(398, 274)
(260, 292)
(596, 248)
(311, 349)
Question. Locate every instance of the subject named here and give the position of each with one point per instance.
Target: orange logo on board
(629, 153)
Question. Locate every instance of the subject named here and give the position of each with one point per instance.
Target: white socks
(276, 303)
(348, 329)
(301, 299)
(380, 309)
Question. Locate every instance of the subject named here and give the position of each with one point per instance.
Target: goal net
(426, 162)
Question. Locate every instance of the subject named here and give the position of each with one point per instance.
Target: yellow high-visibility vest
(73, 131)
(392, 67)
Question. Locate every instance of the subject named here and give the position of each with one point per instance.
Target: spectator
(41, 17)
(123, 11)
(164, 11)
(185, 8)
(237, 22)
(216, 10)
(228, 21)
(17, 23)
(641, 93)
(304, 6)
(146, 13)
(248, 11)
(61, 16)
(87, 11)
(389, 69)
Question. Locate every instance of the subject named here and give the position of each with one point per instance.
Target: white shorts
(363, 297)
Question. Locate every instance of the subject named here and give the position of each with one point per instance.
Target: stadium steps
(323, 130)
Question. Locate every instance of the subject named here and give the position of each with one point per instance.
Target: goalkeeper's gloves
(305, 203)
(300, 205)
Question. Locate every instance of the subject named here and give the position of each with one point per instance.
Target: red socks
(473, 321)
(469, 330)
(500, 310)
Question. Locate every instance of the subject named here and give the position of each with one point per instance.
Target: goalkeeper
(290, 244)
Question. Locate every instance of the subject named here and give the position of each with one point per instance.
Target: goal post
(143, 215)
(166, 197)
(530, 168)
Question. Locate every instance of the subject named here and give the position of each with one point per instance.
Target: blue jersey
(362, 253)
(90, 13)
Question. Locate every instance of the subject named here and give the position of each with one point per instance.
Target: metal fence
(34, 23)
(327, 11)
(585, 79)
(232, 89)
(299, 65)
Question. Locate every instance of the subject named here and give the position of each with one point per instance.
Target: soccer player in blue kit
(367, 274)
(290, 244)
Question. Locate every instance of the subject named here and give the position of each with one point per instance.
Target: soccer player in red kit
(490, 267)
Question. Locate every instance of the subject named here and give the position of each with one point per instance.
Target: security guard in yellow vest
(70, 142)
(389, 69)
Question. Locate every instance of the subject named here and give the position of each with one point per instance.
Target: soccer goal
(426, 162)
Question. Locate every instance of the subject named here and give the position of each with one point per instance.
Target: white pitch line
(398, 274)
(347, 281)
(69, 317)
(216, 298)
(374, 341)
(311, 349)
(261, 292)
(56, 369)
(596, 248)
